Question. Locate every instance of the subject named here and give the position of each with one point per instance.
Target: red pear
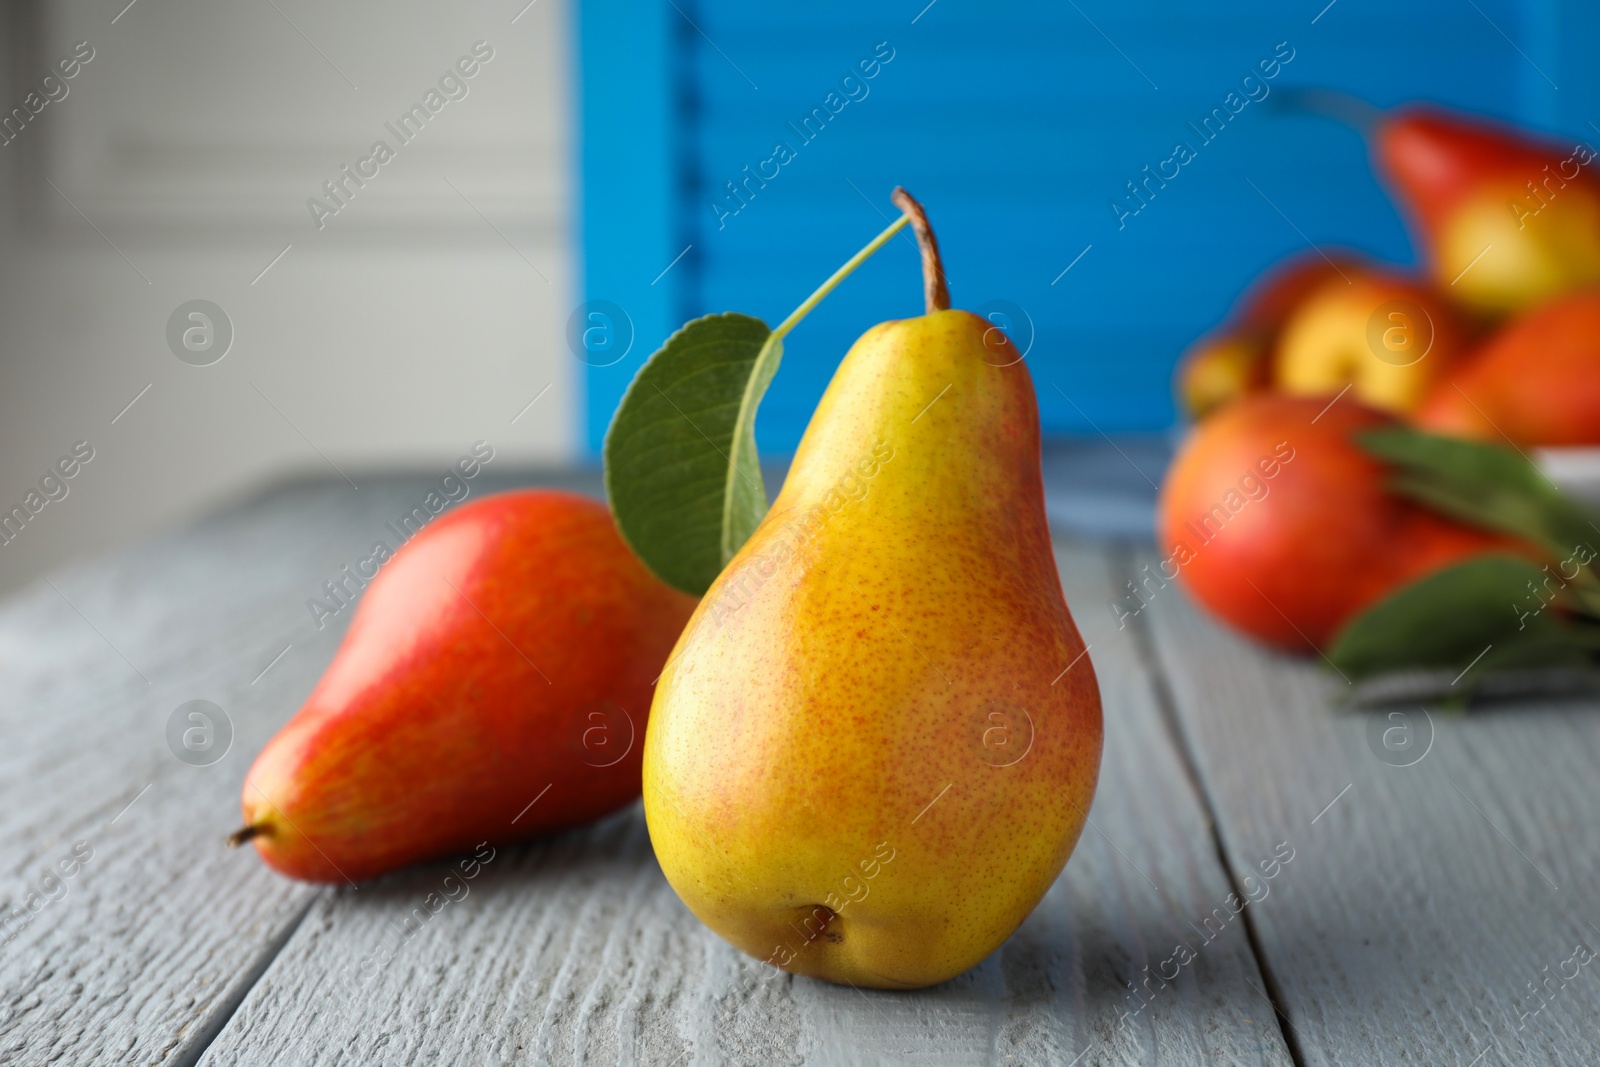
(1536, 382)
(1276, 521)
(494, 685)
(1507, 219)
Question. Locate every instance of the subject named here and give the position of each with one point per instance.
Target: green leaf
(1498, 489)
(1449, 617)
(1488, 485)
(746, 496)
(682, 471)
(681, 465)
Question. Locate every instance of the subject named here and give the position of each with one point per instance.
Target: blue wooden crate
(1019, 125)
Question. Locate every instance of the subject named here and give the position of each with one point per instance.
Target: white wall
(421, 318)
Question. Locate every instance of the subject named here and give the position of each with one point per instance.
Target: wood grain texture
(1432, 910)
(148, 946)
(575, 950)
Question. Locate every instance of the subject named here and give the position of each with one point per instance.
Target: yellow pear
(1219, 369)
(1507, 218)
(1387, 337)
(877, 739)
(1506, 258)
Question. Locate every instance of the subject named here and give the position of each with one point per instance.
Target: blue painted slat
(1571, 59)
(629, 208)
(1018, 123)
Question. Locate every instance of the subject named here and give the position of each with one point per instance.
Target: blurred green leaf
(1488, 485)
(1496, 488)
(1450, 617)
(682, 472)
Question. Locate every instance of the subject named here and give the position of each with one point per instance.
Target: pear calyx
(935, 292)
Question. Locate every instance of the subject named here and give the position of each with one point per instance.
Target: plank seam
(225, 1013)
(1144, 642)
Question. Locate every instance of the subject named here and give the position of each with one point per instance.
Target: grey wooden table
(1262, 881)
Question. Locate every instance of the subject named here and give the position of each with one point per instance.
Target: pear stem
(936, 293)
(1344, 108)
(243, 834)
(838, 276)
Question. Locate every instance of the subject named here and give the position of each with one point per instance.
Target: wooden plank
(1432, 908)
(147, 947)
(577, 950)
